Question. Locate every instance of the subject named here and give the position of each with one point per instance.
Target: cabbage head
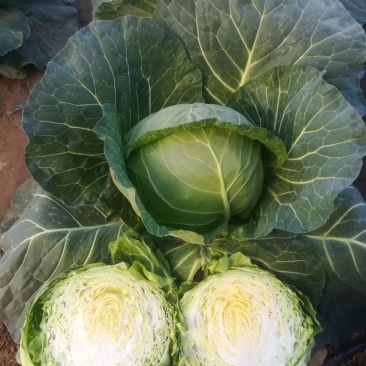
(98, 315)
(197, 166)
(245, 316)
(208, 186)
(219, 176)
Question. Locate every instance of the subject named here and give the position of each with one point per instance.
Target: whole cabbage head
(195, 166)
(98, 315)
(245, 316)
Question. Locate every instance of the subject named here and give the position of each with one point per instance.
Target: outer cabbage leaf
(325, 139)
(128, 63)
(232, 42)
(113, 9)
(48, 239)
(357, 8)
(342, 246)
(14, 28)
(195, 116)
(341, 312)
(342, 240)
(49, 24)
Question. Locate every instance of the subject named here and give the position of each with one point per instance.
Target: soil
(13, 95)
(8, 348)
(13, 172)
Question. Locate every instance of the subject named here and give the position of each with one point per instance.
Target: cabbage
(98, 315)
(106, 103)
(197, 166)
(213, 181)
(245, 316)
(247, 73)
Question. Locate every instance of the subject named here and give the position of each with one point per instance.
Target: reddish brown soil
(12, 139)
(8, 348)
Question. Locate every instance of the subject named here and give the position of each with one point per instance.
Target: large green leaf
(111, 132)
(341, 312)
(357, 8)
(325, 139)
(48, 239)
(14, 28)
(113, 9)
(342, 240)
(127, 63)
(234, 41)
(49, 24)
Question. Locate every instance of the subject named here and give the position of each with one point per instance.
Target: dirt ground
(8, 348)
(13, 94)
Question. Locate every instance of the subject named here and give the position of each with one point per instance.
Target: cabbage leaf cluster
(32, 32)
(210, 127)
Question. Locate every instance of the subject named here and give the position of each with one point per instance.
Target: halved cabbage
(245, 317)
(98, 315)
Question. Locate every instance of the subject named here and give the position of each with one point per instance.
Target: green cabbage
(194, 67)
(219, 175)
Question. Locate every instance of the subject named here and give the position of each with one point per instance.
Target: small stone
(2, 164)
